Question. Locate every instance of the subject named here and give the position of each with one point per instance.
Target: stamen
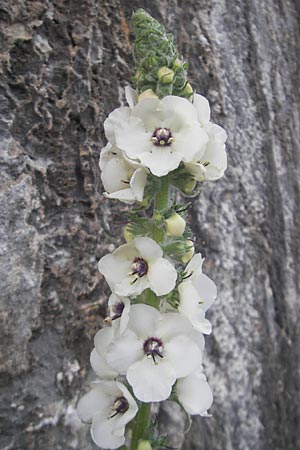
(116, 310)
(162, 137)
(153, 347)
(139, 267)
(120, 406)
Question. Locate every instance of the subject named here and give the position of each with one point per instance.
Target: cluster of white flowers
(155, 136)
(147, 353)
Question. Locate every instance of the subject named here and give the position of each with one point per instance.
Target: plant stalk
(162, 198)
(141, 423)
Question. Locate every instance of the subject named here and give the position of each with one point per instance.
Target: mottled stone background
(63, 68)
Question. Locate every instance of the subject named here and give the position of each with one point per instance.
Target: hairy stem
(140, 424)
(162, 198)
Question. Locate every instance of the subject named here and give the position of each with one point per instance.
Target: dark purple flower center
(153, 347)
(116, 310)
(162, 137)
(139, 267)
(120, 406)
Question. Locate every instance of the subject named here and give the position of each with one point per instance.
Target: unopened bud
(187, 91)
(188, 186)
(189, 254)
(165, 75)
(177, 64)
(144, 445)
(127, 234)
(175, 225)
(148, 93)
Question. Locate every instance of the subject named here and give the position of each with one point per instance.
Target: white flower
(197, 293)
(119, 308)
(136, 266)
(194, 393)
(158, 133)
(155, 350)
(212, 163)
(122, 179)
(98, 361)
(109, 407)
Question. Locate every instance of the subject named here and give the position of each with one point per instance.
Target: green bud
(186, 184)
(165, 75)
(148, 93)
(127, 235)
(177, 64)
(189, 254)
(187, 91)
(144, 445)
(175, 225)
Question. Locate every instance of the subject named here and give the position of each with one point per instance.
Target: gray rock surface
(64, 66)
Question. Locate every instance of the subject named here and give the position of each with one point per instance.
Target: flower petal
(131, 286)
(131, 96)
(107, 152)
(125, 195)
(91, 403)
(103, 432)
(100, 366)
(119, 325)
(194, 267)
(216, 157)
(114, 269)
(124, 351)
(162, 276)
(206, 289)
(148, 248)
(132, 138)
(102, 340)
(203, 110)
(147, 111)
(194, 393)
(143, 320)
(126, 417)
(176, 112)
(183, 354)
(151, 382)
(112, 122)
(171, 325)
(191, 307)
(189, 141)
(160, 161)
(116, 175)
(137, 184)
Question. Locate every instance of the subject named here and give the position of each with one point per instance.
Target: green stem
(140, 424)
(162, 198)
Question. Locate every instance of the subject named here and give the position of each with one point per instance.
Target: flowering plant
(153, 348)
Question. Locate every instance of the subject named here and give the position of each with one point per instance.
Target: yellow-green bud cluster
(158, 65)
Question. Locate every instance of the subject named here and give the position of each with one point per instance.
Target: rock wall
(64, 65)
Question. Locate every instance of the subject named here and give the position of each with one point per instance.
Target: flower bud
(144, 445)
(175, 225)
(148, 93)
(177, 64)
(165, 75)
(187, 91)
(187, 186)
(127, 235)
(189, 254)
